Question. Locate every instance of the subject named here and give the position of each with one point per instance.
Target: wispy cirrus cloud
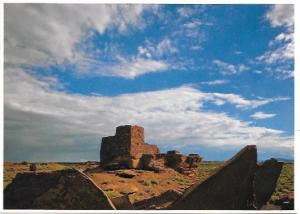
(242, 103)
(229, 69)
(215, 82)
(261, 115)
(283, 49)
(163, 48)
(132, 68)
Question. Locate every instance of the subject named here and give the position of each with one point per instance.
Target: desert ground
(145, 184)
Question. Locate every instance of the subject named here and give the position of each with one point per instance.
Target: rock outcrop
(65, 189)
(265, 181)
(125, 149)
(239, 184)
(158, 202)
(122, 203)
(229, 188)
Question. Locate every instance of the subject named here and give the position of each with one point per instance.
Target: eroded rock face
(229, 188)
(125, 149)
(65, 189)
(265, 181)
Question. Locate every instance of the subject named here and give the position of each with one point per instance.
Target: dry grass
(11, 169)
(205, 169)
(145, 185)
(285, 183)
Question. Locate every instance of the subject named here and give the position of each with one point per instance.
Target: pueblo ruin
(238, 184)
(127, 149)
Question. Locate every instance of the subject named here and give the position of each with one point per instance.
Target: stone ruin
(182, 163)
(127, 149)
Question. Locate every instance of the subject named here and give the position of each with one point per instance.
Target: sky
(206, 79)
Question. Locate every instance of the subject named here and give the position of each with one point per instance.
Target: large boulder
(229, 188)
(265, 181)
(64, 189)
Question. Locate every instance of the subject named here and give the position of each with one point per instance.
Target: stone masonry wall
(126, 147)
(138, 146)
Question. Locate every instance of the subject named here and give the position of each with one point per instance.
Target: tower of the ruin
(125, 148)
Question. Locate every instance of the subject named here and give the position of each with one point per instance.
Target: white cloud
(133, 68)
(165, 46)
(44, 124)
(162, 49)
(229, 69)
(281, 48)
(144, 52)
(261, 115)
(215, 82)
(283, 60)
(128, 68)
(282, 37)
(196, 47)
(281, 15)
(280, 54)
(50, 34)
(240, 102)
(238, 52)
(193, 24)
(185, 11)
(257, 71)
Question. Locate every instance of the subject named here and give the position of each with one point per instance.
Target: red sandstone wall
(128, 143)
(138, 145)
(116, 148)
(137, 135)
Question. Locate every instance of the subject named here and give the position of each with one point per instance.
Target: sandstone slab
(64, 189)
(122, 203)
(229, 188)
(265, 181)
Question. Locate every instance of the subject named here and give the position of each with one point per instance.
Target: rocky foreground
(239, 184)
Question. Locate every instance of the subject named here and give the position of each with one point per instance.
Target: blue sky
(205, 79)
